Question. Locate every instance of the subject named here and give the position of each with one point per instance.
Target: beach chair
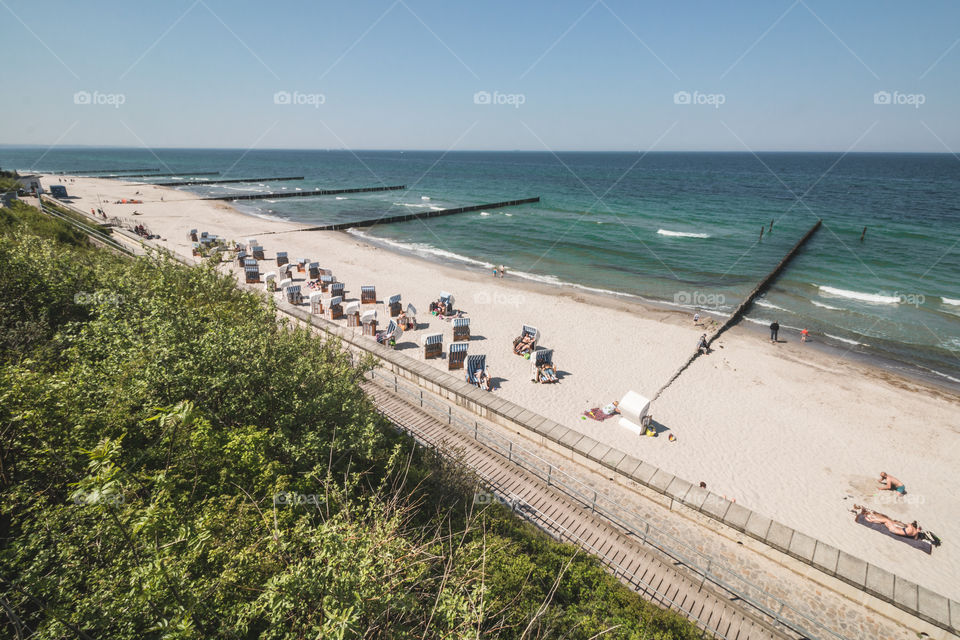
(475, 366)
(193, 235)
(316, 303)
(302, 264)
(241, 256)
(337, 289)
(204, 234)
(293, 294)
(461, 329)
(282, 258)
(284, 283)
(634, 414)
(433, 346)
(257, 252)
(251, 243)
(389, 336)
(335, 307)
(368, 321)
(270, 281)
(286, 271)
(542, 357)
(368, 294)
(393, 303)
(456, 354)
(313, 270)
(527, 330)
(412, 315)
(326, 281)
(352, 312)
(249, 263)
(447, 300)
(197, 251)
(251, 275)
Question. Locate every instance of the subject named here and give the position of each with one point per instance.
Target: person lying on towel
(482, 380)
(546, 373)
(897, 528)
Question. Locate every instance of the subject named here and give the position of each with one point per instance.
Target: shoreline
(751, 419)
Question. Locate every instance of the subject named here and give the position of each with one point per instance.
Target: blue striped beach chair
(433, 346)
(313, 270)
(461, 329)
(476, 370)
(368, 294)
(257, 252)
(293, 294)
(337, 289)
(394, 305)
(282, 258)
(456, 354)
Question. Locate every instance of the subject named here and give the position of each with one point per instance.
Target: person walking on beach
(774, 330)
(803, 335)
(702, 345)
(696, 317)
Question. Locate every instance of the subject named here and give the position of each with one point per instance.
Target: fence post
(421, 398)
(549, 474)
(449, 414)
(510, 452)
(593, 507)
(396, 384)
(476, 430)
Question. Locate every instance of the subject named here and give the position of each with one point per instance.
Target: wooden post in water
(771, 226)
(761, 232)
(864, 234)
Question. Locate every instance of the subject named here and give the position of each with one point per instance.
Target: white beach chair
(390, 336)
(633, 413)
(412, 315)
(352, 311)
(316, 303)
(251, 243)
(368, 322)
(293, 294)
(270, 281)
(446, 299)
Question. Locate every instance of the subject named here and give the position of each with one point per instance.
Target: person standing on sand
(803, 335)
(696, 317)
(774, 330)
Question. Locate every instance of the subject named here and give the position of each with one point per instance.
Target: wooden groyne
(304, 194)
(419, 216)
(75, 172)
(164, 175)
(230, 181)
(745, 304)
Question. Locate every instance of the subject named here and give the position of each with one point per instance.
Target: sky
(771, 75)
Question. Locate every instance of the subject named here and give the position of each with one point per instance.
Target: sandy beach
(787, 430)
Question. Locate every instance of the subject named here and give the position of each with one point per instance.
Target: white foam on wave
(874, 298)
(950, 301)
(939, 373)
(410, 204)
(768, 305)
(484, 213)
(824, 306)
(424, 197)
(341, 198)
(436, 208)
(847, 340)
(681, 234)
(271, 201)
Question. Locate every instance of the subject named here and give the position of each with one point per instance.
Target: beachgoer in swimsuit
(895, 527)
(889, 483)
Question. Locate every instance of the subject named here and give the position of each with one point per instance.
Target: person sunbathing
(912, 530)
(482, 380)
(547, 373)
(403, 321)
(525, 345)
(889, 483)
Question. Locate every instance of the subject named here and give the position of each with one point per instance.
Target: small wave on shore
(847, 340)
(950, 301)
(681, 234)
(874, 298)
(824, 306)
(768, 305)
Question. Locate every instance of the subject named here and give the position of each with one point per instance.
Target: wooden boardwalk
(643, 568)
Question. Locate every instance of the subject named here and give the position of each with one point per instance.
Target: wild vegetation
(177, 464)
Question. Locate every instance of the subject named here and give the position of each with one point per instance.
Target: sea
(679, 229)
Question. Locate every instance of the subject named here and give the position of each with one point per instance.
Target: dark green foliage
(177, 464)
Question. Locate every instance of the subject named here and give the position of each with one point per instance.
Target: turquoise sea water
(682, 228)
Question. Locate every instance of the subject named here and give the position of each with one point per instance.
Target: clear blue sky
(403, 75)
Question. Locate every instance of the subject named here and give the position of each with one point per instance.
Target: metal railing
(708, 569)
(561, 533)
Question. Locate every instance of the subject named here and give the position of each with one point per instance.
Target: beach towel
(923, 545)
(597, 414)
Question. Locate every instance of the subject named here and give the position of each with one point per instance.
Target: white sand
(789, 431)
